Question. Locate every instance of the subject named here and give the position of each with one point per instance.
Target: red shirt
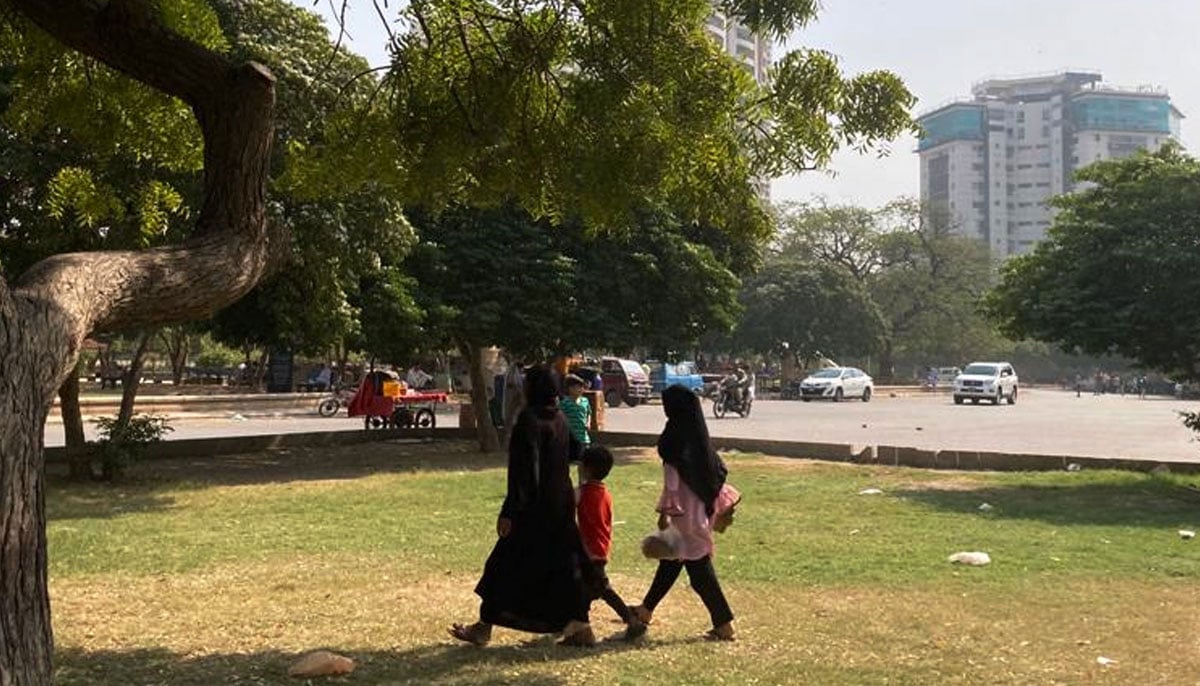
(595, 519)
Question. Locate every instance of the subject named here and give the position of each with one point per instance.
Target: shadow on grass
(437, 664)
(1146, 502)
(137, 492)
(90, 501)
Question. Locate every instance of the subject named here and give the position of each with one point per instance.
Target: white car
(837, 384)
(994, 381)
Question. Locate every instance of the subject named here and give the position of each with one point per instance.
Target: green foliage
(602, 107)
(809, 308)
(119, 445)
(1119, 271)
(498, 277)
(916, 289)
(491, 277)
(658, 286)
(213, 354)
(342, 283)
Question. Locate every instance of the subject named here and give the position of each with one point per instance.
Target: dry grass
(374, 554)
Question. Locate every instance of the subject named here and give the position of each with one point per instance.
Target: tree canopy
(597, 109)
(915, 288)
(1119, 271)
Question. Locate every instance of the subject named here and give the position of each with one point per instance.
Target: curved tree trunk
(489, 441)
(46, 316)
(79, 460)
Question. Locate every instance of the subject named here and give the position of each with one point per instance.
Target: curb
(883, 455)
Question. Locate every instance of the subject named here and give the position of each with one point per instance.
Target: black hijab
(541, 393)
(684, 444)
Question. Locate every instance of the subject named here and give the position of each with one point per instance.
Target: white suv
(994, 381)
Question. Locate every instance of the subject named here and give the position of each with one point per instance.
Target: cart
(382, 404)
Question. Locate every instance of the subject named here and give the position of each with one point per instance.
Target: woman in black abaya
(536, 578)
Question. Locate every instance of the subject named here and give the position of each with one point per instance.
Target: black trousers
(704, 582)
(608, 595)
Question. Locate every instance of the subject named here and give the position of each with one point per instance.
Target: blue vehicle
(663, 374)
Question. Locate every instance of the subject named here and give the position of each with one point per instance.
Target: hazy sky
(941, 47)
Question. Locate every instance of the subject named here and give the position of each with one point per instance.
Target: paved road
(1043, 422)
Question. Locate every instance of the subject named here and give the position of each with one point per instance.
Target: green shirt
(578, 413)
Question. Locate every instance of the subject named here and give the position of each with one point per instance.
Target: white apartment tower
(991, 162)
(752, 51)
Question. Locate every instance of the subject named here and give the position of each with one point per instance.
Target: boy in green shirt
(578, 412)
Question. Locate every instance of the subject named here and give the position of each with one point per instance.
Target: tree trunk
(788, 370)
(489, 441)
(79, 459)
(887, 362)
(178, 345)
(57, 303)
(132, 381)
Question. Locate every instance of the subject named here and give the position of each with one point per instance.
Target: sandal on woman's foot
(721, 633)
(642, 614)
(476, 634)
(637, 629)
(578, 635)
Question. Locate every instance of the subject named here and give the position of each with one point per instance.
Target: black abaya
(534, 579)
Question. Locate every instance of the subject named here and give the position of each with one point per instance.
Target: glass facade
(964, 122)
(1115, 113)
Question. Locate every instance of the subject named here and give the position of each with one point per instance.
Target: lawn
(222, 571)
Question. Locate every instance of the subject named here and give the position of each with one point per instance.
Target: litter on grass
(870, 491)
(972, 559)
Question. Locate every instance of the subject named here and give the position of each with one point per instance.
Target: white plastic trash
(870, 491)
(972, 559)
(985, 507)
(1187, 534)
(1105, 661)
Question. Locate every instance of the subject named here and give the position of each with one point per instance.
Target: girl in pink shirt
(693, 475)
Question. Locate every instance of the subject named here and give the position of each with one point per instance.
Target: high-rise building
(751, 50)
(990, 163)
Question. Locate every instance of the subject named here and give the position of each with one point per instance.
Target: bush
(119, 446)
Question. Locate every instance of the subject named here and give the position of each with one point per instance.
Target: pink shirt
(687, 514)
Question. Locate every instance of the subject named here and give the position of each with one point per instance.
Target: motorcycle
(730, 399)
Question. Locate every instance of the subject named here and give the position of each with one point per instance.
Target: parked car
(947, 375)
(994, 381)
(663, 374)
(624, 381)
(837, 384)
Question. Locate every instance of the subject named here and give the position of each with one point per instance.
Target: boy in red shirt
(594, 513)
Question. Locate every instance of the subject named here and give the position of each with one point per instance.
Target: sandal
(578, 635)
(642, 614)
(721, 633)
(637, 629)
(476, 634)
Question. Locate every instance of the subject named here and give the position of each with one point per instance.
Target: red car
(624, 380)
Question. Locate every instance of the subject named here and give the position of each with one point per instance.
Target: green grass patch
(222, 571)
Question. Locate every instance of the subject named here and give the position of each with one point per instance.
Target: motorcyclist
(737, 385)
(744, 381)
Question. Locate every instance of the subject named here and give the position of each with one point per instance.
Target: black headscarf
(541, 393)
(684, 444)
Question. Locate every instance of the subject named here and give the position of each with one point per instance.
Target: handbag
(725, 507)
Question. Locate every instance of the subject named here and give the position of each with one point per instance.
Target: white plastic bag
(663, 545)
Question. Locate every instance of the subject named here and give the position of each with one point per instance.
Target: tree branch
(234, 105)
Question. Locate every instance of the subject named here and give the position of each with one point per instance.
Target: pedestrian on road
(693, 475)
